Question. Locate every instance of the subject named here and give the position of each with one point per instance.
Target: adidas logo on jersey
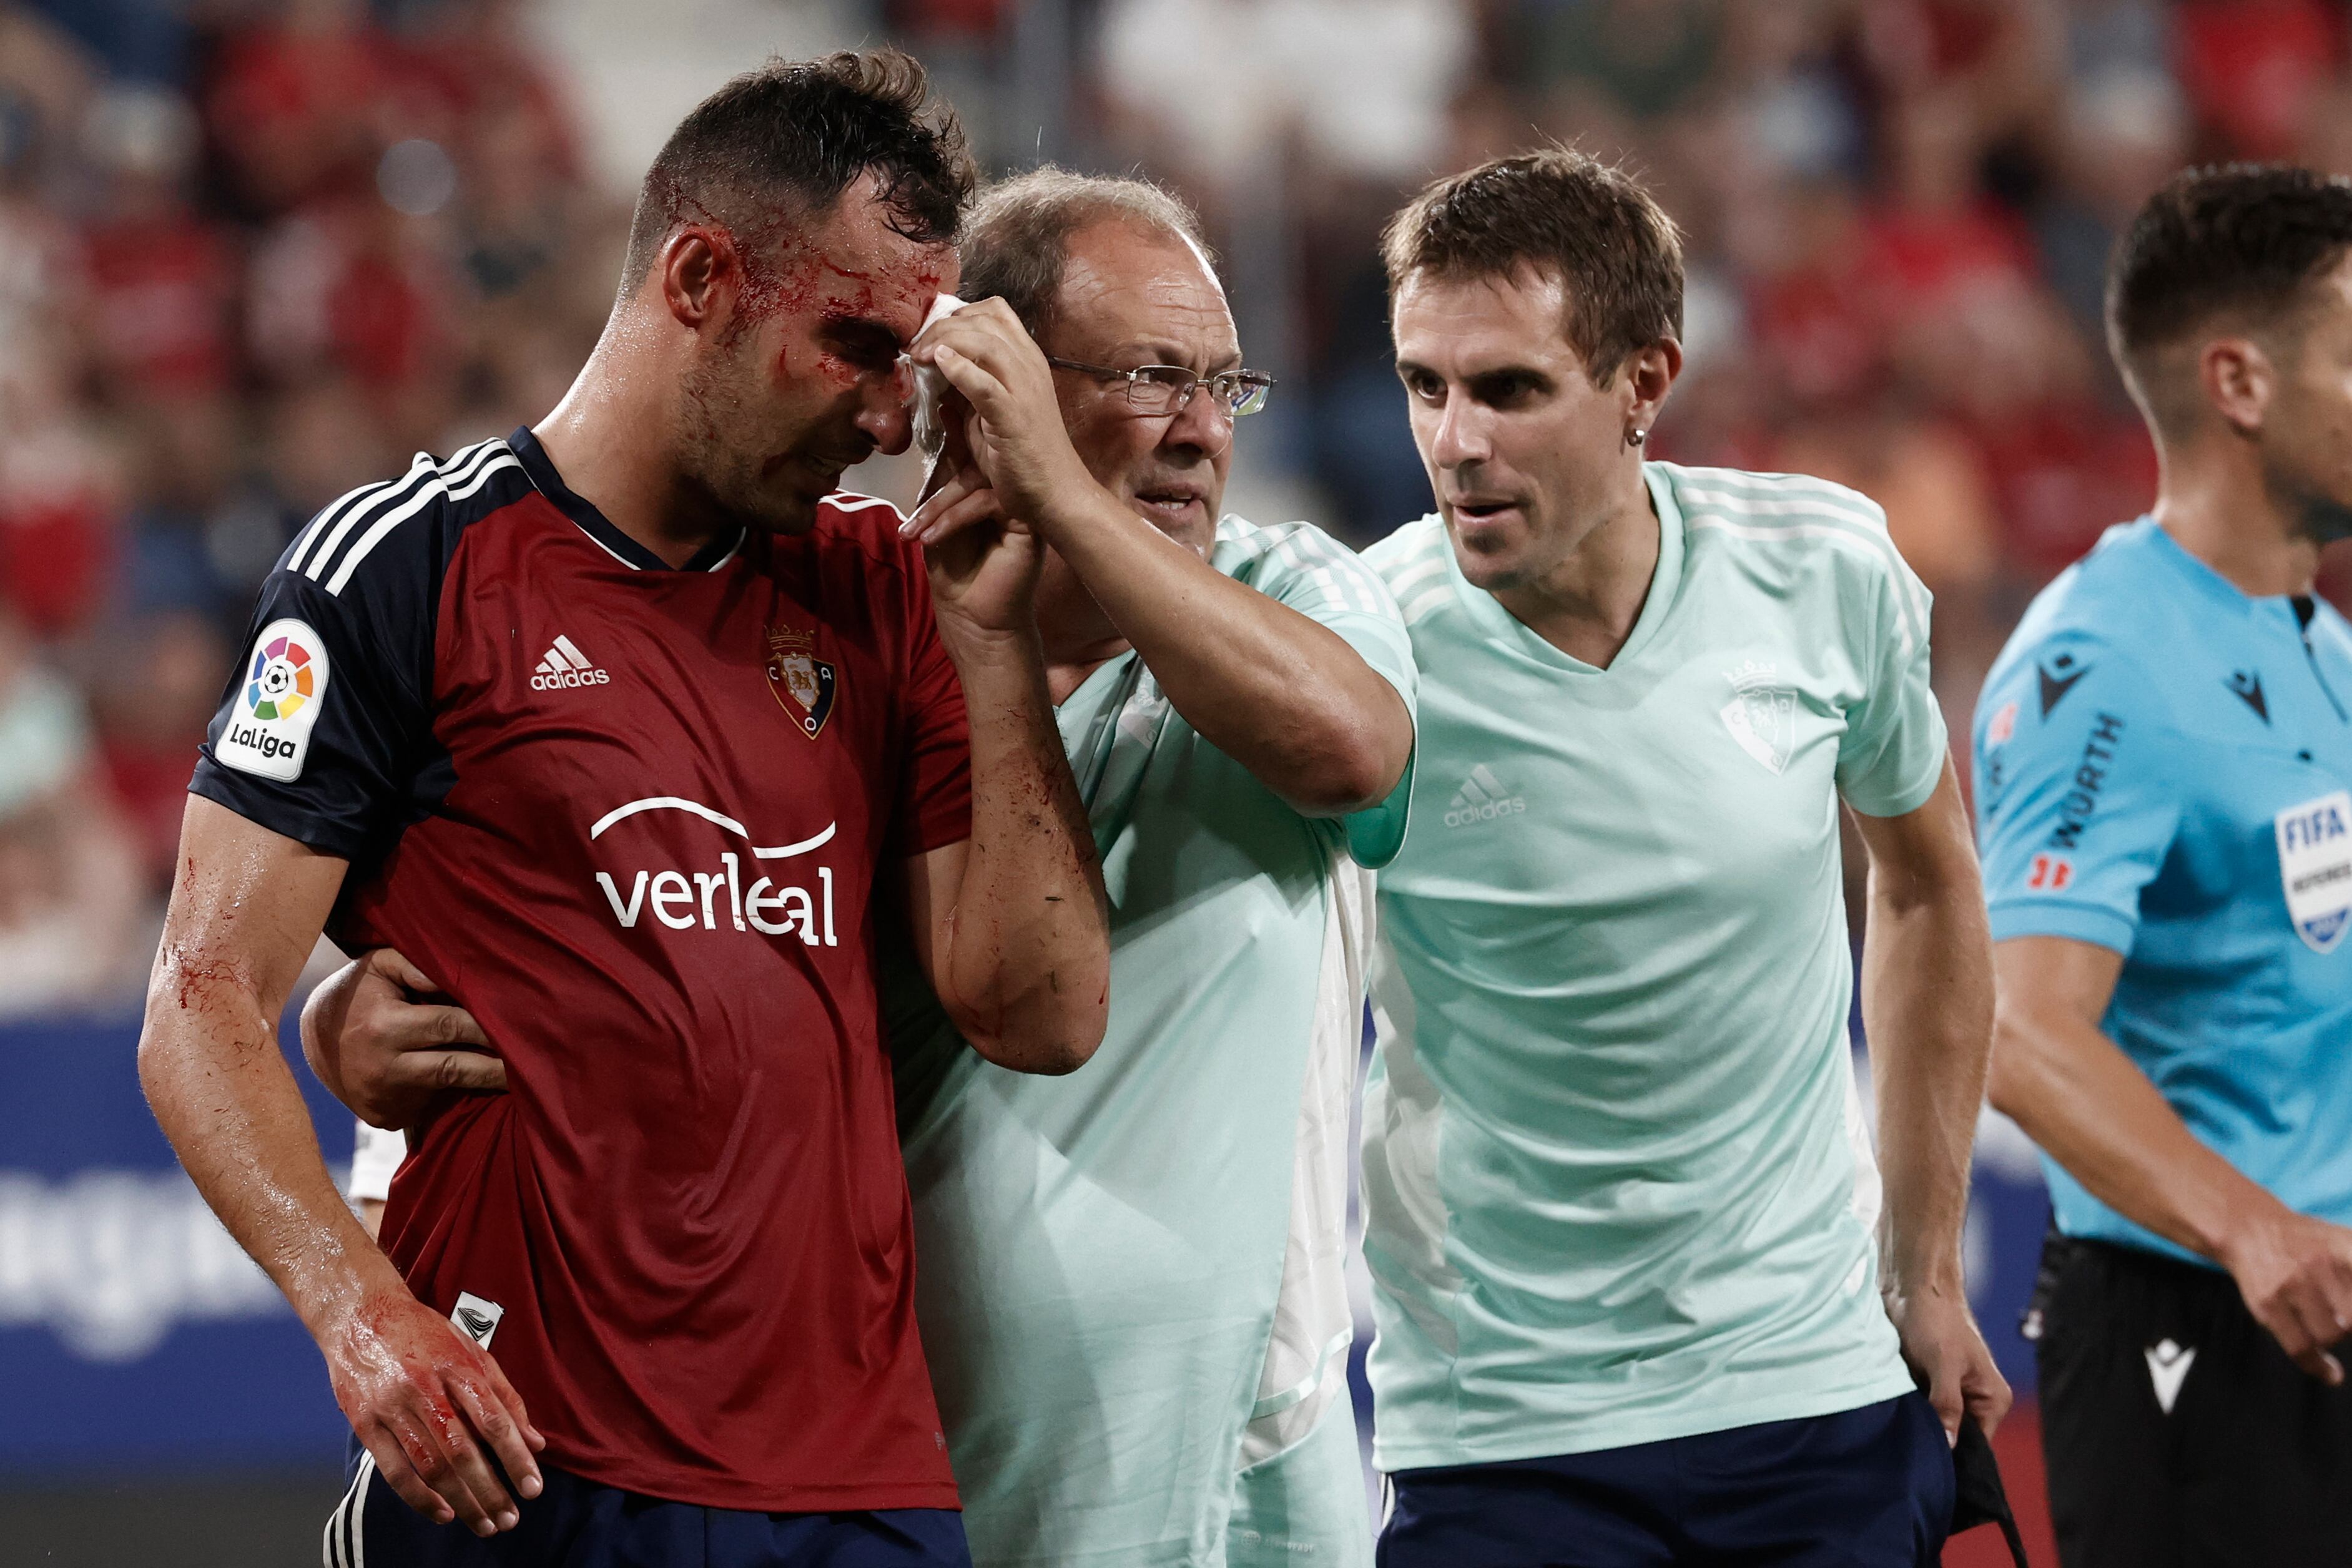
(566, 665)
(1482, 799)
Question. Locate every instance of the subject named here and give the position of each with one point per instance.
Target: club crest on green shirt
(1761, 714)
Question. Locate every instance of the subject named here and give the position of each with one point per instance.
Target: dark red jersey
(632, 818)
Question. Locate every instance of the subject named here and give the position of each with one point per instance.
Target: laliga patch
(477, 1319)
(2314, 847)
(269, 719)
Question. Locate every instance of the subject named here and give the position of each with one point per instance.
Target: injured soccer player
(1131, 1281)
(626, 728)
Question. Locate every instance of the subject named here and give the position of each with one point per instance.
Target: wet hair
(779, 145)
(2235, 245)
(1017, 240)
(1555, 210)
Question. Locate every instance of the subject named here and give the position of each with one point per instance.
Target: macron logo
(2168, 1369)
(566, 665)
(1482, 799)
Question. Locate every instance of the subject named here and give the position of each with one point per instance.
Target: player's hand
(2295, 1273)
(1014, 433)
(984, 580)
(383, 1052)
(432, 1407)
(984, 565)
(1942, 1346)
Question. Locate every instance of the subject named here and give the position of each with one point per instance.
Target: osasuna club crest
(1762, 714)
(804, 684)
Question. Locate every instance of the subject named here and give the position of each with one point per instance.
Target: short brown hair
(1018, 238)
(788, 138)
(1556, 210)
(2237, 244)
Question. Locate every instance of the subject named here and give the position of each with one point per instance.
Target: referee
(2162, 756)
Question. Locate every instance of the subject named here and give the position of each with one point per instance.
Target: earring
(1635, 437)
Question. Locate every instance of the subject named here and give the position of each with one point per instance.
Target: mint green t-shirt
(1617, 1184)
(1130, 1279)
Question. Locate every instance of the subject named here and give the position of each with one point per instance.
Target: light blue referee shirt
(2162, 767)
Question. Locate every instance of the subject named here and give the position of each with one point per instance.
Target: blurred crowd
(254, 253)
(251, 255)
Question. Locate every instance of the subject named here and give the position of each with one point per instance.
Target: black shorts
(2175, 1432)
(1863, 1489)
(579, 1523)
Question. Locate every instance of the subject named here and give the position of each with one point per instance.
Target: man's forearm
(209, 1062)
(1927, 1008)
(1285, 697)
(1029, 955)
(2081, 1099)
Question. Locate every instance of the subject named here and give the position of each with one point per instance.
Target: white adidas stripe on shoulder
(1338, 570)
(1408, 578)
(1764, 490)
(465, 474)
(371, 500)
(327, 530)
(487, 468)
(1751, 506)
(1913, 624)
(425, 475)
(1429, 602)
(332, 512)
(1346, 581)
(1418, 580)
(1254, 540)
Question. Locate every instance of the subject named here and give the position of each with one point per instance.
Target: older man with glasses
(1131, 1284)
(1130, 1279)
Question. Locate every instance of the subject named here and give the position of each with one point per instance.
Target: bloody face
(796, 374)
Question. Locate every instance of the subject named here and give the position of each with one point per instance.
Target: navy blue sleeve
(327, 718)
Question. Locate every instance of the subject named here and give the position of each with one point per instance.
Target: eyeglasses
(1154, 390)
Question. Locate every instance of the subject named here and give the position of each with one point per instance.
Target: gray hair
(1017, 238)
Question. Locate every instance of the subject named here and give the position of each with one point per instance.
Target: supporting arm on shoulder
(1927, 1004)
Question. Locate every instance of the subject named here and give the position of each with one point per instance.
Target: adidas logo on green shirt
(1482, 799)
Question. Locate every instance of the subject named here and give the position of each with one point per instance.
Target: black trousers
(2175, 1432)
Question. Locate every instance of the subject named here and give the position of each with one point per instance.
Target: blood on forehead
(851, 266)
